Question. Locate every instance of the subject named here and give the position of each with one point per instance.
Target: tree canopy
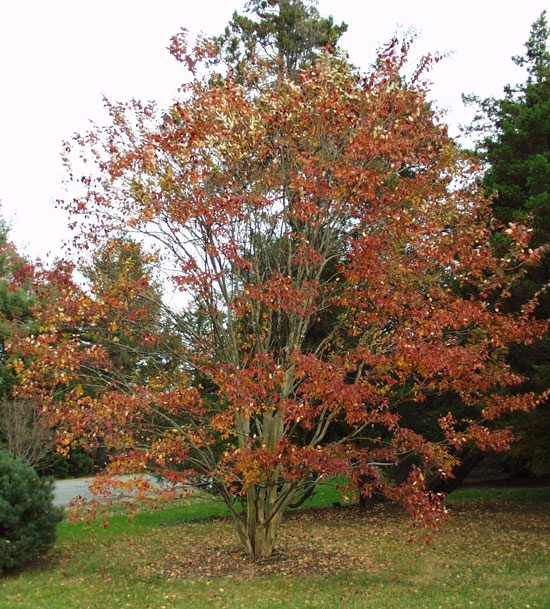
(515, 132)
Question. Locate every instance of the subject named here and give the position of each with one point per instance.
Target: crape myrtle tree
(513, 139)
(265, 207)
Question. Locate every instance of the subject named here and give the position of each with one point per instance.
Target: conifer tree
(513, 138)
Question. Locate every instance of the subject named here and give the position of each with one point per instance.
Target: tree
(16, 300)
(103, 339)
(26, 431)
(27, 428)
(515, 142)
(22, 431)
(133, 330)
(120, 275)
(289, 34)
(513, 138)
(267, 207)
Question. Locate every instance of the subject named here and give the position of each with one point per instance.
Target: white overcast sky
(58, 58)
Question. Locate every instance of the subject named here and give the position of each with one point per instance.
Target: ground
(311, 542)
(492, 554)
(346, 539)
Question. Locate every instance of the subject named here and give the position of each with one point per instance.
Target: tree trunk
(258, 528)
(263, 519)
(266, 500)
(469, 458)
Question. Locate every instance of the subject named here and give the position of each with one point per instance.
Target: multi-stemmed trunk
(266, 500)
(258, 525)
(263, 519)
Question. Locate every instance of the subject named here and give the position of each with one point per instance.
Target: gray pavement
(66, 490)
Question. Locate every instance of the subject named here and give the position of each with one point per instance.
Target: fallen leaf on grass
(305, 547)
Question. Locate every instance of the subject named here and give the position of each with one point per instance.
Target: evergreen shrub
(28, 518)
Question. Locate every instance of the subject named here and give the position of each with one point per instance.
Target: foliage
(16, 300)
(267, 207)
(23, 431)
(513, 135)
(513, 139)
(28, 519)
(121, 276)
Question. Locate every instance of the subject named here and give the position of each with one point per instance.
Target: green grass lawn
(493, 554)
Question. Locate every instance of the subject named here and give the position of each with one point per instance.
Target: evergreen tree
(513, 136)
(290, 34)
(519, 151)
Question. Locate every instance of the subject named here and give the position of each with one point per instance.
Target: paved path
(65, 490)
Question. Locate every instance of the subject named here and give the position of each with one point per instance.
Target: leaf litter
(322, 542)
(311, 542)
